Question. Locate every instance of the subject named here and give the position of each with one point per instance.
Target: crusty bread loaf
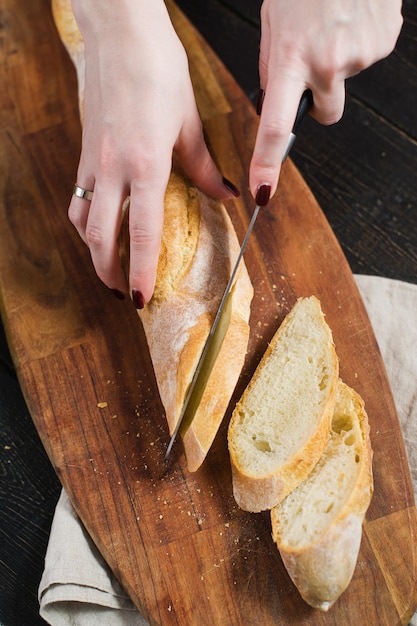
(199, 247)
(318, 527)
(281, 424)
(198, 251)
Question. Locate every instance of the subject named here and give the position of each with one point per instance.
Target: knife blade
(303, 108)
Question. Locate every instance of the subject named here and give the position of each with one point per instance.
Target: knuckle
(275, 128)
(106, 157)
(327, 71)
(138, 158)
(95, 236)
(139, 235)
(145, 162)
(150, 165)
(142, 235)
(360, 64)
(264, 169)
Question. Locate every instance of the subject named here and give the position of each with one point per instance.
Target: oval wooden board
(180, 546)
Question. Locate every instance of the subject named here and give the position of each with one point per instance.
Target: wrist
(98, 18)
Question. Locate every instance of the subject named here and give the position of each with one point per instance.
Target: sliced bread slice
(281, 424)
(318, 527)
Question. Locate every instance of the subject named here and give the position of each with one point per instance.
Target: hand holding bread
(138, 107)
(197, 254)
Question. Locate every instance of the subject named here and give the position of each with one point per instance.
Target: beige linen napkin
(77, 587)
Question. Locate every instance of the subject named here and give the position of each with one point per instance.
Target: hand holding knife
(262, 199)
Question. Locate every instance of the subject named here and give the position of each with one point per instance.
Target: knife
(306, 103)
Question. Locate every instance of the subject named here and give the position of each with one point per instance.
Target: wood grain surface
(179, 544)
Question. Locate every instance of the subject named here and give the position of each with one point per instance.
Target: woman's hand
(139, 107)
(313, 44)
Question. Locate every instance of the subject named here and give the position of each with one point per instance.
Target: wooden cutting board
(180, 546)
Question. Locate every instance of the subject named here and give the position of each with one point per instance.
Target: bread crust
(322, 569)
(198, 251)
(257, 492)
(178, 319)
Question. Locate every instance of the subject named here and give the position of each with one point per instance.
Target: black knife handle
(305, 105)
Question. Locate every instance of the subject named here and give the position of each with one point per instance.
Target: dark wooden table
(363, 174)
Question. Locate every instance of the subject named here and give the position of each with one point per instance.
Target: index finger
(279, 109)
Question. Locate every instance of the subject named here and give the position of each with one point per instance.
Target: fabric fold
(77, 586)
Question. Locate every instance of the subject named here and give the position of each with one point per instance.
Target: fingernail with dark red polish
(118, 294)
(137, 298)
(260, 101)
(231, 187)
(263, 194)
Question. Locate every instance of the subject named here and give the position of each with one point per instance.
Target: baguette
(198, 251)
(281, 424)
(318, 527)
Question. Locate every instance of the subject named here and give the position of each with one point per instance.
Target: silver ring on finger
(80, 192)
